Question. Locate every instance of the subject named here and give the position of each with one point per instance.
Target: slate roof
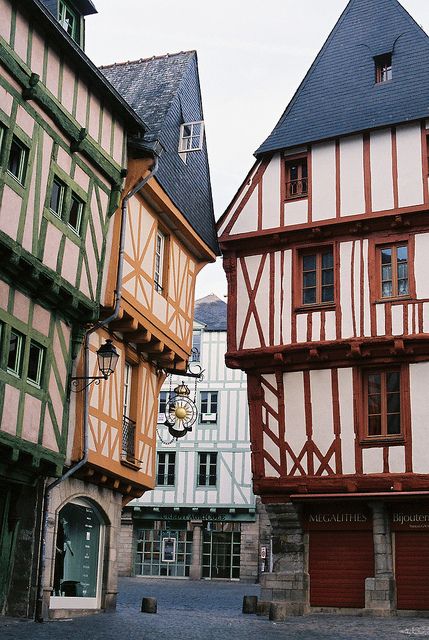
(165, 92)
(339, 95)
(211, 311)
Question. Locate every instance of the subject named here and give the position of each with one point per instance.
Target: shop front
(340, 554)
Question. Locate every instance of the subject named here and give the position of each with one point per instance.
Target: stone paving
(206, 611)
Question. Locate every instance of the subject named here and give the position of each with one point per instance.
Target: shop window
(393, 270)
(207, 469)
(208, 406)
(166, 469)
(78, 560)
(317, 276)
(296, 178)
(18, 160)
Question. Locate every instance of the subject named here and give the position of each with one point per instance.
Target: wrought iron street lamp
(107, 358)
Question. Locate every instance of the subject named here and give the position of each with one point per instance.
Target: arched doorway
(78, 557)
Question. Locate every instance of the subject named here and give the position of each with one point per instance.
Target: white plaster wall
(271, 194)
(397, 459)
(421, 265)
(409, 146)
(345, 290)
(321, 408)
(397, 319)
(323, 181)
(366, 295)
(345, 393)
(352, 192)
(293, 384)
(373, 460)
(287, 297)
(381, 170)
(248, 219)
(419, 399)
(296, 212)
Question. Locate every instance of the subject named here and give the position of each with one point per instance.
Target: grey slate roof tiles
(164, 91)
(339, 95)
(211, 311)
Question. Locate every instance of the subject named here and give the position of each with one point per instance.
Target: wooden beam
(128, 325)
(141, 337)
(155, 347)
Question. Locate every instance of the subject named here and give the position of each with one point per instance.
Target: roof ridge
(140, 60)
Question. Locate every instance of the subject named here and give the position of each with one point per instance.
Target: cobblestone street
(206, 611)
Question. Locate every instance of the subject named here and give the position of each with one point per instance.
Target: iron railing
(297, 188)
(129, 441)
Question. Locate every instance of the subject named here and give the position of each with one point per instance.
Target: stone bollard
(149, 605)
(263, 608)
(278, 612)
(249, 604)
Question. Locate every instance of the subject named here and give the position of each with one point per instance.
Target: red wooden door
(412, 569)
(339, 562)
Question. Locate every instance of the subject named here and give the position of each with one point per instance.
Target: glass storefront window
(77, 555)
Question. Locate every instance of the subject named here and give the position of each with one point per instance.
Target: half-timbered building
(326, 254)
(162, 234)
(203, 504)
(63, 133)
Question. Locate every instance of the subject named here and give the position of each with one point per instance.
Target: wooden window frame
(162, 272)
(298, 282)
(384, 439)
(374, 261)
(62, 8)
(383, 67)
(300, 159)
(205, 466)
(166, 476)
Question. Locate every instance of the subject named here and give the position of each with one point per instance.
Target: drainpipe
(97, 325)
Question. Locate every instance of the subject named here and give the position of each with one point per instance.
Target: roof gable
(339, 96)
(165, 91)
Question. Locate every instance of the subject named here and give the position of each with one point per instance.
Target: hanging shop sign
(338, 517)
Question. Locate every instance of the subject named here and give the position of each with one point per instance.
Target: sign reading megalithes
(337, 517)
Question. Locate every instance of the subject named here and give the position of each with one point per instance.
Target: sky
(252, 55)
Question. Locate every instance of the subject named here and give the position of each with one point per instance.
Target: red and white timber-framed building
(326, 251)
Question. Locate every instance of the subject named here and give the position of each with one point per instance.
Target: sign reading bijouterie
(410, 518)
(337, 517)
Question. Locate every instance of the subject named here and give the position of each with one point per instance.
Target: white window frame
(204, 416)
(186, 142)
(167, 464)
(17, 370)
(20, 177)
(128, 371)
(162, 414)
(79, 214)
(41, 356)
(63, 188)
(159, 260)
(207, 464)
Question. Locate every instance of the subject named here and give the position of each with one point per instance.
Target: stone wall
(126, 545)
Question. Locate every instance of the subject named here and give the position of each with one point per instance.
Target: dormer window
(383, 68)
(68, 20)
(191, 137)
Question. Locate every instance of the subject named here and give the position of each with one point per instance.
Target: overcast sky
(252, 56)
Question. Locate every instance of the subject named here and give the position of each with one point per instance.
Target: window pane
(386, 273)
(402, 287)
(386, 290)
(374, 425)
(75, 213)
(374, 405)
(393, 402)
(14, 355)
(402, 253)
(309, 279)
(402, 270)
(327, 260)
(393, 424)
(293, 172)
(17, 160)
(327, 294)
(386, 256)
(56, 197)
(35, 362)
(327, 276)
(374, 383)
(309, 263)
(393, 381)
(309, 296)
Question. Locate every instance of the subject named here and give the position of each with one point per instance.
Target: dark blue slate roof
(339, 95)
(164, 91)
(211, 311)
(84, 7)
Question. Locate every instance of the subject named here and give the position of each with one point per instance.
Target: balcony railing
(128, 453)
(297, 189)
